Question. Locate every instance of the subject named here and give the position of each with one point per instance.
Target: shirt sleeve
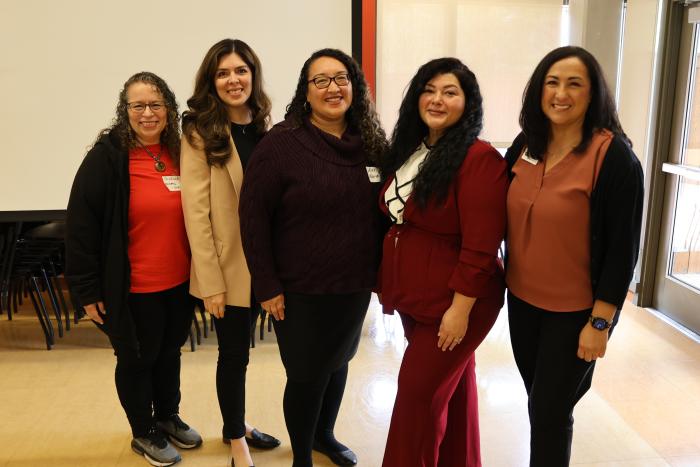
(481, 201)
(84, 223)
(622, 218)
(195, 179)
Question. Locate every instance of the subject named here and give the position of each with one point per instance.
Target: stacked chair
(32, 267)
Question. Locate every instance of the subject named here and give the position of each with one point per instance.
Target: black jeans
(545, 345)
(233, 334)
(148, 381)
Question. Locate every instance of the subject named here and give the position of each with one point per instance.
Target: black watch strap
(601, 324)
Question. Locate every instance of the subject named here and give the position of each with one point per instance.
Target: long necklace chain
(159, 164)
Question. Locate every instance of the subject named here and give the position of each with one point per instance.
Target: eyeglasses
(140, 107)
(322, 82)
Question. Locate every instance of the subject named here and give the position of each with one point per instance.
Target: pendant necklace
(159, 164)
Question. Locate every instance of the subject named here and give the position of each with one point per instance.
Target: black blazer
(616, 219)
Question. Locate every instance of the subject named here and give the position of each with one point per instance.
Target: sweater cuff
(265, 290)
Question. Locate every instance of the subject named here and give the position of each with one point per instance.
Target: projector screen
(63, 63)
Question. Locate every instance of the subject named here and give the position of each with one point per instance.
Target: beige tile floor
(60, 408)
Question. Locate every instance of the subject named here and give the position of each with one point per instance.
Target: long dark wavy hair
(361, 115)
(601, 112)
(207, 114)
(170, 137)
(446, 156)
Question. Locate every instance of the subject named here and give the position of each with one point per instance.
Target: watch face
(599, 323)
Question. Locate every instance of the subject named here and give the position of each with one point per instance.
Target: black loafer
(346, 457)
(260, 440)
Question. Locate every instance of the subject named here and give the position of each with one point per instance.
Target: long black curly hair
(361, 115)
(446, 156)
(170, 137)
(207, 114)
(601, 112)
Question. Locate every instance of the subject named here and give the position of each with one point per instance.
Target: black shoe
(258, 440)
(346, 457)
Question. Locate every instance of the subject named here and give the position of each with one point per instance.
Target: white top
(401, 188)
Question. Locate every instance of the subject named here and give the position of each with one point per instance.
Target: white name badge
(172, 182)
(527, 158)
(373, 174)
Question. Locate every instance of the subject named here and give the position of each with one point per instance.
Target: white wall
(636, 72)
(500, 40)
(62, 64)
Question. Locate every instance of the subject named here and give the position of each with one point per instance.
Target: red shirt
(451, 247)
(159, 253)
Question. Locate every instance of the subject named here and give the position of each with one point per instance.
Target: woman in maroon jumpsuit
(446, 194)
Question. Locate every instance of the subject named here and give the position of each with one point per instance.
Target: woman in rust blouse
(446, 194)
(574, 218)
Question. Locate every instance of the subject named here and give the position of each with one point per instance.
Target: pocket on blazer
(219, 247)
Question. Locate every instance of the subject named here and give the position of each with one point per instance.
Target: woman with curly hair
(446, 196)
(131, 279)
(312, 236)
(228, 115)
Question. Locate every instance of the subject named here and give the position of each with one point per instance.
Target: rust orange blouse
(549, 228)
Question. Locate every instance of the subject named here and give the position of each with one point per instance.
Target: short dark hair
(445, 158)
(170, 137)
(361, 115)
(601, 112)
(208, 116)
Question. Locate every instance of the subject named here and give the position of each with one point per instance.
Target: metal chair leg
(191, 339)
(10, 300)
(54, 300)
(198, 331)
(41, 313)
(203, 314)
(59, 291)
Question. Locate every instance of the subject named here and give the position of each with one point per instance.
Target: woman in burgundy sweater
(446, 195)
(312, 234)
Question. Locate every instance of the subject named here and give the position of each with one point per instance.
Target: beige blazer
(210, 197)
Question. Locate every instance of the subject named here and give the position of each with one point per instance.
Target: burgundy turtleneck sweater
(309, 215)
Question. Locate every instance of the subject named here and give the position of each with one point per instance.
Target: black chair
(32, 266)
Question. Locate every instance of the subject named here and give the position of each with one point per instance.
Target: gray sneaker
(179, 432)
(156, 449)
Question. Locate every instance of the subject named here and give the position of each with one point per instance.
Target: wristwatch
(599, 323)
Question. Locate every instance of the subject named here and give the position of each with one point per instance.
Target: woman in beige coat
(227, 116)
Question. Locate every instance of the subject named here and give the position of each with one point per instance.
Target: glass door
(677, 291)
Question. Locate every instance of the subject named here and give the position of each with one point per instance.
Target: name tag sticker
(172, 182)
(373, 174)
(527, 158)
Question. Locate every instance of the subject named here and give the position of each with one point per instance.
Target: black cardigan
(97, 261)
(616, 219)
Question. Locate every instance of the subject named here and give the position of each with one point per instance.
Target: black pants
(545, 345)
(310, 411)
(317, 338)
(233, 334)
(148, 381)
